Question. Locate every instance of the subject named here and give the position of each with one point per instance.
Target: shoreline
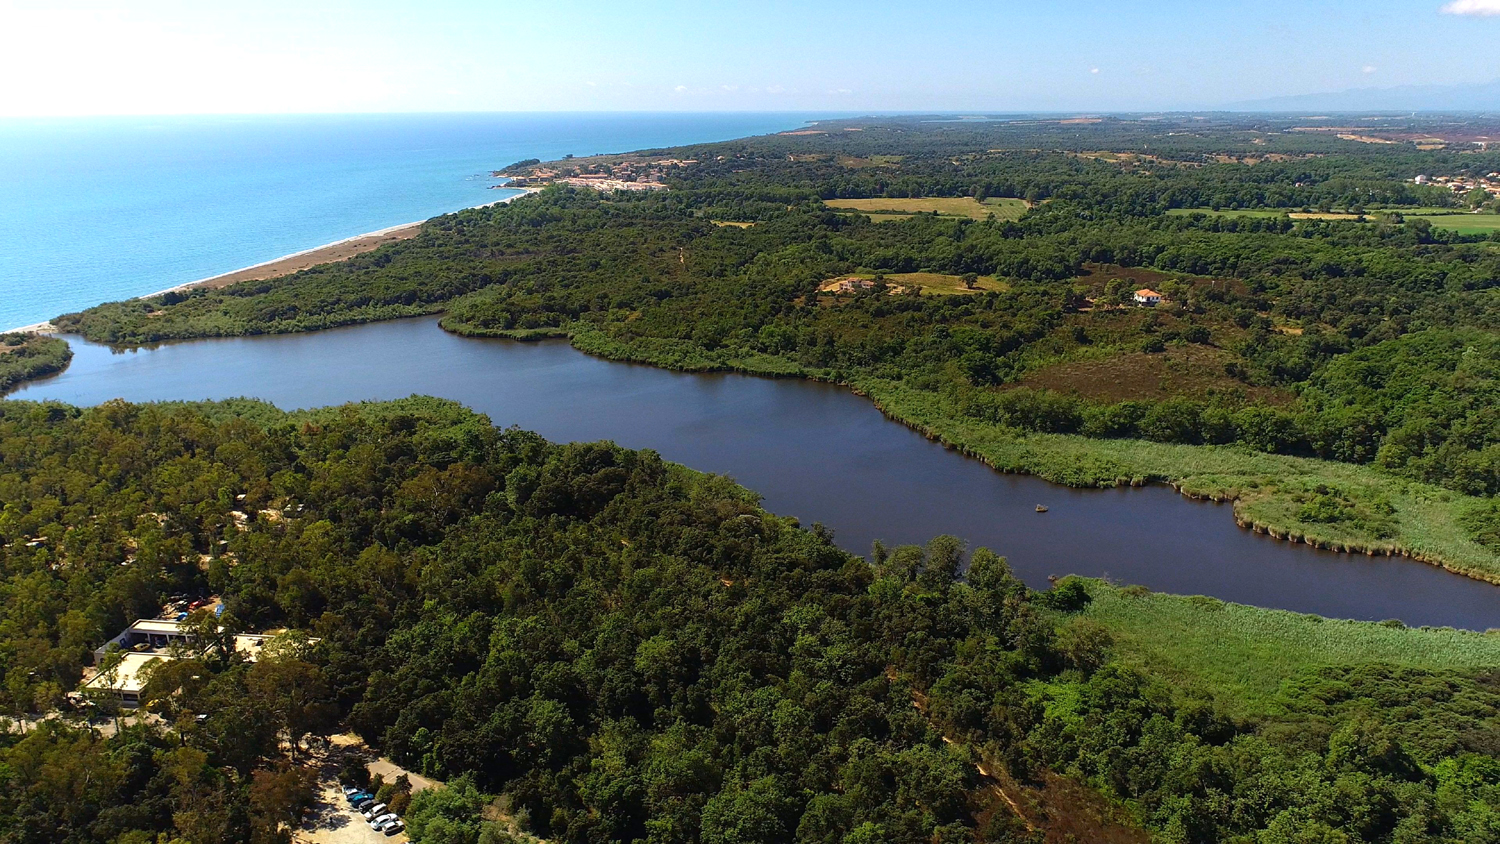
(328, 253)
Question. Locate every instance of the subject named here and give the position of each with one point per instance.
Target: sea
(102, 209)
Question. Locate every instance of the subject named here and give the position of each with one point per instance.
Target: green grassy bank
(1243, 655)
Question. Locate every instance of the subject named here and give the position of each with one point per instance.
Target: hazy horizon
(172, 57)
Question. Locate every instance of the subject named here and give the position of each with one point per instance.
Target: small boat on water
(1041, 508)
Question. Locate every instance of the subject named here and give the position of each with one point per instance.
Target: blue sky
(205, 56)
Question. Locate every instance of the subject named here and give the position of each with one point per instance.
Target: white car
(374, 811)
(379, 822)
(394, 827)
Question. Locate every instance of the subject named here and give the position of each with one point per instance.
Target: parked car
(379, 822)
(350, 791)
(362, 802)
(373, 811)
(355, 794)
(395, 827)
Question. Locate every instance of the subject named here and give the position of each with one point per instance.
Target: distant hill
(1484, 97)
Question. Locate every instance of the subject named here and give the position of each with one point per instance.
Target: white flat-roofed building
(149, 640)
(125, 680)
(157, 634)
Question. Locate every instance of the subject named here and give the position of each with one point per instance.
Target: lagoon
(814, 451)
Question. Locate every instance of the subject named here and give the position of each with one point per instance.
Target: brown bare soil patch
(1102, 273)
(1066, 811)
(1188, 371)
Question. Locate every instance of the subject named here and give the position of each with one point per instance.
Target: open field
(1456, 219)
(946, 206)
(1270, 212)
(1225, 212)
(1245, 653)
(933, 284)
(732, 224)
(1464, 223)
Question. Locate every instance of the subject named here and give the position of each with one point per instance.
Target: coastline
(328, 253)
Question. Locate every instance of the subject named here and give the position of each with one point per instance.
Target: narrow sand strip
(328, 253)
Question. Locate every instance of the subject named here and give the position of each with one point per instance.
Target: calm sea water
(100, 209)
(814, 451)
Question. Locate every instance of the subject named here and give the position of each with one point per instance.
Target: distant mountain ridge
(1483, 97)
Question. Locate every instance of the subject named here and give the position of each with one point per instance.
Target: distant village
(599, 175)
(1489, 183)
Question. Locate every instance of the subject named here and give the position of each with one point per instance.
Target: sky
(86, 57)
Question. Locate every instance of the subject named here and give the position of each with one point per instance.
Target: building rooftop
(159, 626)
(127, 677)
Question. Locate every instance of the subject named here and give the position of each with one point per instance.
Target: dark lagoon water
(813, 451)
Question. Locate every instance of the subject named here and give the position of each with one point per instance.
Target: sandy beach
(297, 261)
(329, 253)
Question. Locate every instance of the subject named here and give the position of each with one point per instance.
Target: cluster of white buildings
(624, 175)
(1489, 183)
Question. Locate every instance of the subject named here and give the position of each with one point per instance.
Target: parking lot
(332, 820)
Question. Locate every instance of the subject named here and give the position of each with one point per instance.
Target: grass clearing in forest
(930, 284)
(1463, 223)
(943, 206)
(1271, 212)
(1245, 653)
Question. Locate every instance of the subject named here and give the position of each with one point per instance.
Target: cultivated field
(944, 206)
(1464, 223)
(1456, 219)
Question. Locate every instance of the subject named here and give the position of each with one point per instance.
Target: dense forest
(627, 651)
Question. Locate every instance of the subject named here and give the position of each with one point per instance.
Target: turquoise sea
(100, 209)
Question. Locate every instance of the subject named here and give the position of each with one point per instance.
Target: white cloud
(1369, 68)
(1094, 70)
(1481, 8)
(680, 89)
